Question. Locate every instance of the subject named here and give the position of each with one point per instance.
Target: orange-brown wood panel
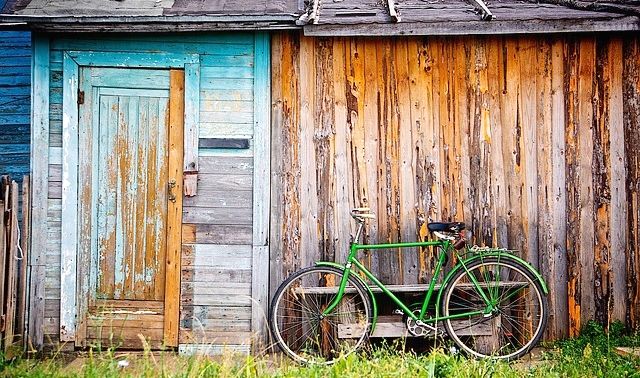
(174, 213)
(631, 109)
(500, 132)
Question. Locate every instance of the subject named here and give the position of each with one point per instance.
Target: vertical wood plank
(342, 179)
(40, 176)
(191, 127)
(25, 244)
(586, 68)
(631, 111)
(86, 205)
(602, 183)
(69, 200)
(261, 188)
(308, 185)
(544, 169)
(11, 267)
(369, 183)
(558, 192)
(572, 182)
(529, 148)
(495, 79)
(174, 209)
(286, 163)
(4, 238)
(407, 172)
(277, 233)
(324, 146)
(618, 233)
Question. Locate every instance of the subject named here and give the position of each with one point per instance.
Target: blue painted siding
(226, 109)
(15, 92)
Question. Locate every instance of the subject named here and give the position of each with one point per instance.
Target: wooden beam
(496, 27)
(39, 189)
(261, 188)
(174, 213)
(69, 245)
(594, 6)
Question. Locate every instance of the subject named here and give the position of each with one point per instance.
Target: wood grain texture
(15, 88)
(40, 178)
(174, 211)
(68, 310)
(631, 111)
(524, 153)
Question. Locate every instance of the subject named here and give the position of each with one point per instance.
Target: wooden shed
(188, 156)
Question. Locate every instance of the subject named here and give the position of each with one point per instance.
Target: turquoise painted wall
(229, 69)
(15, 92)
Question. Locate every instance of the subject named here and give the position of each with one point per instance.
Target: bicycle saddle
(446, 227)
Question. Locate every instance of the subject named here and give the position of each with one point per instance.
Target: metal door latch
(172, 184)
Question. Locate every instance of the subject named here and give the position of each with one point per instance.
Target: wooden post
(39, 186)
(4, 200)
(11, 265)
(22, 285)
(3, 246)
(174, 213)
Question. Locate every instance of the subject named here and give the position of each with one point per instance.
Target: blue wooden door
(126, 111)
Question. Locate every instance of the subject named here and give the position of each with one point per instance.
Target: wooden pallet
(394, 327)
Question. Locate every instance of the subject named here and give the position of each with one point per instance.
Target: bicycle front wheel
(303, 332)
(511, 325)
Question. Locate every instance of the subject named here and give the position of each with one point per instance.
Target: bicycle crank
(418, 328)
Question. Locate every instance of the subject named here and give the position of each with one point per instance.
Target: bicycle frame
(352, 260)
(445, 247)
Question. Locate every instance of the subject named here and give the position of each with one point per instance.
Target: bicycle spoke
(516, 318)
(298, 324)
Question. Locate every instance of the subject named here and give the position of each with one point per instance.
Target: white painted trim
(69, 239)
(72, 60)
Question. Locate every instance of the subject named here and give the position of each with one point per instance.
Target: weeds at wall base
(590, 355)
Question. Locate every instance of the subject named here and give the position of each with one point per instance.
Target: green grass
(590, 355)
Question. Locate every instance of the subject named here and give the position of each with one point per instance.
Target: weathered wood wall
(15, 92)
(216, 278)
(532, 141)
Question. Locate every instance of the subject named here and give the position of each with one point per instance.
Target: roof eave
(535, 26)
(149, 23)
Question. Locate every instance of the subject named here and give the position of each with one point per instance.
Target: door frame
(74, 277)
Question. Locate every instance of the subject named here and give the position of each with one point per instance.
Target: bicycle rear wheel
(517, 320)
(296, 317)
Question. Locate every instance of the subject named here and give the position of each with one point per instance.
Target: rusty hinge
(80, 97)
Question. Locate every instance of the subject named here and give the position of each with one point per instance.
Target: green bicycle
(492, 303)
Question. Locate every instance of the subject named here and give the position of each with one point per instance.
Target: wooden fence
(13, 263)
(533, 141)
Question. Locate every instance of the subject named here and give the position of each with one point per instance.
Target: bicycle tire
(295, 321)
(518, 320)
